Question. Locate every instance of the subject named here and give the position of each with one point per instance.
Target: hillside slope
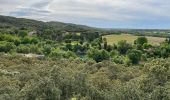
(7, 21)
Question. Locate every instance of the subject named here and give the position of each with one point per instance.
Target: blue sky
(96, 13)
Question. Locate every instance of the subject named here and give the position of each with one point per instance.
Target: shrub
(134, 56)
(22, 33)
(141, 40)
(34, 40)
(35, 49)
(10, 38)
(123, 46)
(57, 53)
(98, 55)
(26, 40)
(23, 49)
(47, 49)
(6, 46)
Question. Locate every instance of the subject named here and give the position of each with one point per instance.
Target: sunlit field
(130, 38)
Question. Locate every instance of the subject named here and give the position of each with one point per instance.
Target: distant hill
(18, 23)
(34, 24)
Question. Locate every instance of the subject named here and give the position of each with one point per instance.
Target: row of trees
(141, 50)
(98, 49)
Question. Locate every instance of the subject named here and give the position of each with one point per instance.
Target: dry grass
(130, 38)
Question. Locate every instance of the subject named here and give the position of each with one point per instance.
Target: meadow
(113, 39)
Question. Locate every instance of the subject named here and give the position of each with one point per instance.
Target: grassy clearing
(130, 38)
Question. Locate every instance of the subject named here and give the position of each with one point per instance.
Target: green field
(130, 38)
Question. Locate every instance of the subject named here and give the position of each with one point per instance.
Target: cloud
(100, 13)
(38, 8)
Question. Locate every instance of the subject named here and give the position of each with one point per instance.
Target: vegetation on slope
(47, 62)
(34, 79)
(131, 38)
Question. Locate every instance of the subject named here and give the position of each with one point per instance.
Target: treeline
(84, 45)
(68, 44)
(126, 53)
(10, 24)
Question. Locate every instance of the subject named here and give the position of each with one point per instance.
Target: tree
(147, 46)
(69, 54)
(134, 56)
(47, 34)
(23, 49)
(10, 38)
(6, 46)
(22, 33)
(69, 46)
(141, 40)
(34, 40)
(98, 55)
(57, 53)
(35, 49)
(26, 40)
(47, 49)
(123, 46)
(79, 48)
(165, 50)
(105, 45)
(167, 40)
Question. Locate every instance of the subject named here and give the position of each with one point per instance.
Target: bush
(98, 55)
(147, 46)
(118, 59)
(22, 33)
(141, 40)
(123, 46)
(35, 49)
(26, 40)
(165, 50)
(47, 49)
(10, 38)
(134, 56)
(69, 54)
(68, 46)
(6, 46)
(57, 53)
(23, 49)
(34, 40)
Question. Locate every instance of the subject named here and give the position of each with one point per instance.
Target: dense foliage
(57, 61)
(35, 79)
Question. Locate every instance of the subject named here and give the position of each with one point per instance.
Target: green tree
(69, 46)
(26, 40)
(47, 49)
(35, 49)
(123, 46)
(147, 46)
(34, 40)
(165, 50)
(23, 49)
(22, 33)
(134, 56)
(98, 55)
(141, 40)
(6, 46)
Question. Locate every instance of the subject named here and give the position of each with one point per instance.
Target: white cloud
(80, 11)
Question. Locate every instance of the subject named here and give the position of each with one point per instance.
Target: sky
(150, 14)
